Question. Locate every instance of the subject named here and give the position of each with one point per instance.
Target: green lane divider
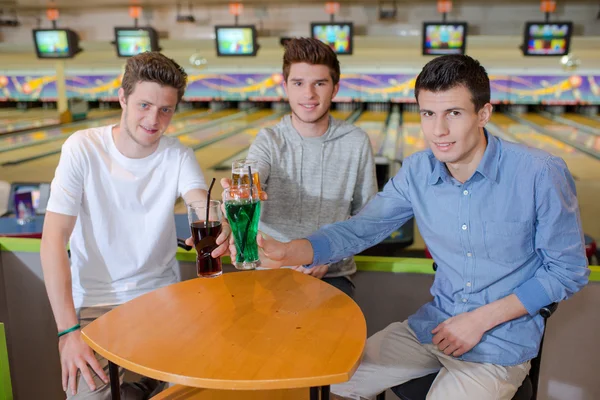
(363, 263)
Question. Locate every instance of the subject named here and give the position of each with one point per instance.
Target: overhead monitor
(338, 35)
(55, 43)
(547, 38)
(442, 38)
(133, 41)
(236, 40)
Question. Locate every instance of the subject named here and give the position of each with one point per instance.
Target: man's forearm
(57, 278)
(298, 252)
(500, 311)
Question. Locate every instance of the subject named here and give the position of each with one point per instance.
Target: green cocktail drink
(242, 207)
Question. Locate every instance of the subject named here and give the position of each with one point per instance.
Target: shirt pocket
(508, 242)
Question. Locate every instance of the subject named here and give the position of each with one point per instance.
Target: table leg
(115, 385)
(314, 393)
(325, 392)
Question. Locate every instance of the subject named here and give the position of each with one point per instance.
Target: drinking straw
(208, 206)
(244, 239)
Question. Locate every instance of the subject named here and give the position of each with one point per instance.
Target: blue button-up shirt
(513, 227)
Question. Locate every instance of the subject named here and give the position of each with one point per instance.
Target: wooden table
(254, 330)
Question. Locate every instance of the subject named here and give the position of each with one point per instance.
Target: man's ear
(336, 88)
(285, 88)
(122, 98)
(485, 114)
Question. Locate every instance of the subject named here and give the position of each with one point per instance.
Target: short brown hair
(310, 51)
(153, 66)
(447, 72)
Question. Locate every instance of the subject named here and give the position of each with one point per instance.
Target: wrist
(69, 331)
(484, 318)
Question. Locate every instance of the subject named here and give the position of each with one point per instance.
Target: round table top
(270, 329)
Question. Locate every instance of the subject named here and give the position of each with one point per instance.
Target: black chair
(417, 389)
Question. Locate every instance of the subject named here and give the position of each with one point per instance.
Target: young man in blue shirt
(502, 223)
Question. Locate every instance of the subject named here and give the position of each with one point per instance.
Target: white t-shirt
(124, 241)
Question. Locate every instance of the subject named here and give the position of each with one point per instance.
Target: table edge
(291, 383)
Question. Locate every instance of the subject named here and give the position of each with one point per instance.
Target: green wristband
(71, 329)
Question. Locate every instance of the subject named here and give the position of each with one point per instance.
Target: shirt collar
(488, 166)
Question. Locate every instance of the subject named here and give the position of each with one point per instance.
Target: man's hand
(318, 271)
(457, 335)
(272, 253)
(75, 355)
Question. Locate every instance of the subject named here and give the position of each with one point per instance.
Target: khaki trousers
(395, 355)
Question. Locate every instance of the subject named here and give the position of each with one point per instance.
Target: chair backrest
(5, 383)
(534, 371)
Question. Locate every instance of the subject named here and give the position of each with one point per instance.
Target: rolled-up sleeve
(559, 240)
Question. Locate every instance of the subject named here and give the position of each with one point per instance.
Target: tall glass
(239, 173)
(204, 234)
(242, 207)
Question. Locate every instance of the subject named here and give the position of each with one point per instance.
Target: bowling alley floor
(236, 136)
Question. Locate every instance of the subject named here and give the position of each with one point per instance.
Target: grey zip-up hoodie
(313, 182)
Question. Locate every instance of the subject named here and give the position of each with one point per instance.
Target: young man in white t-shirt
(113, 197)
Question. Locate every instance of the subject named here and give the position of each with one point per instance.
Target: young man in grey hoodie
(315, 169)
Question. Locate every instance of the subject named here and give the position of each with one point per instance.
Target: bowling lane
(180, 121)
(529, 136)
(568, 133)
(582, 119)
(21, 122)
(12, 114)
(42, 169)
(412, 136)
(8, 125)
(226, 162)
(373, 123)
(196, 137)
(586, 170)
(213, 154)
(44, 135)
(581, 165)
